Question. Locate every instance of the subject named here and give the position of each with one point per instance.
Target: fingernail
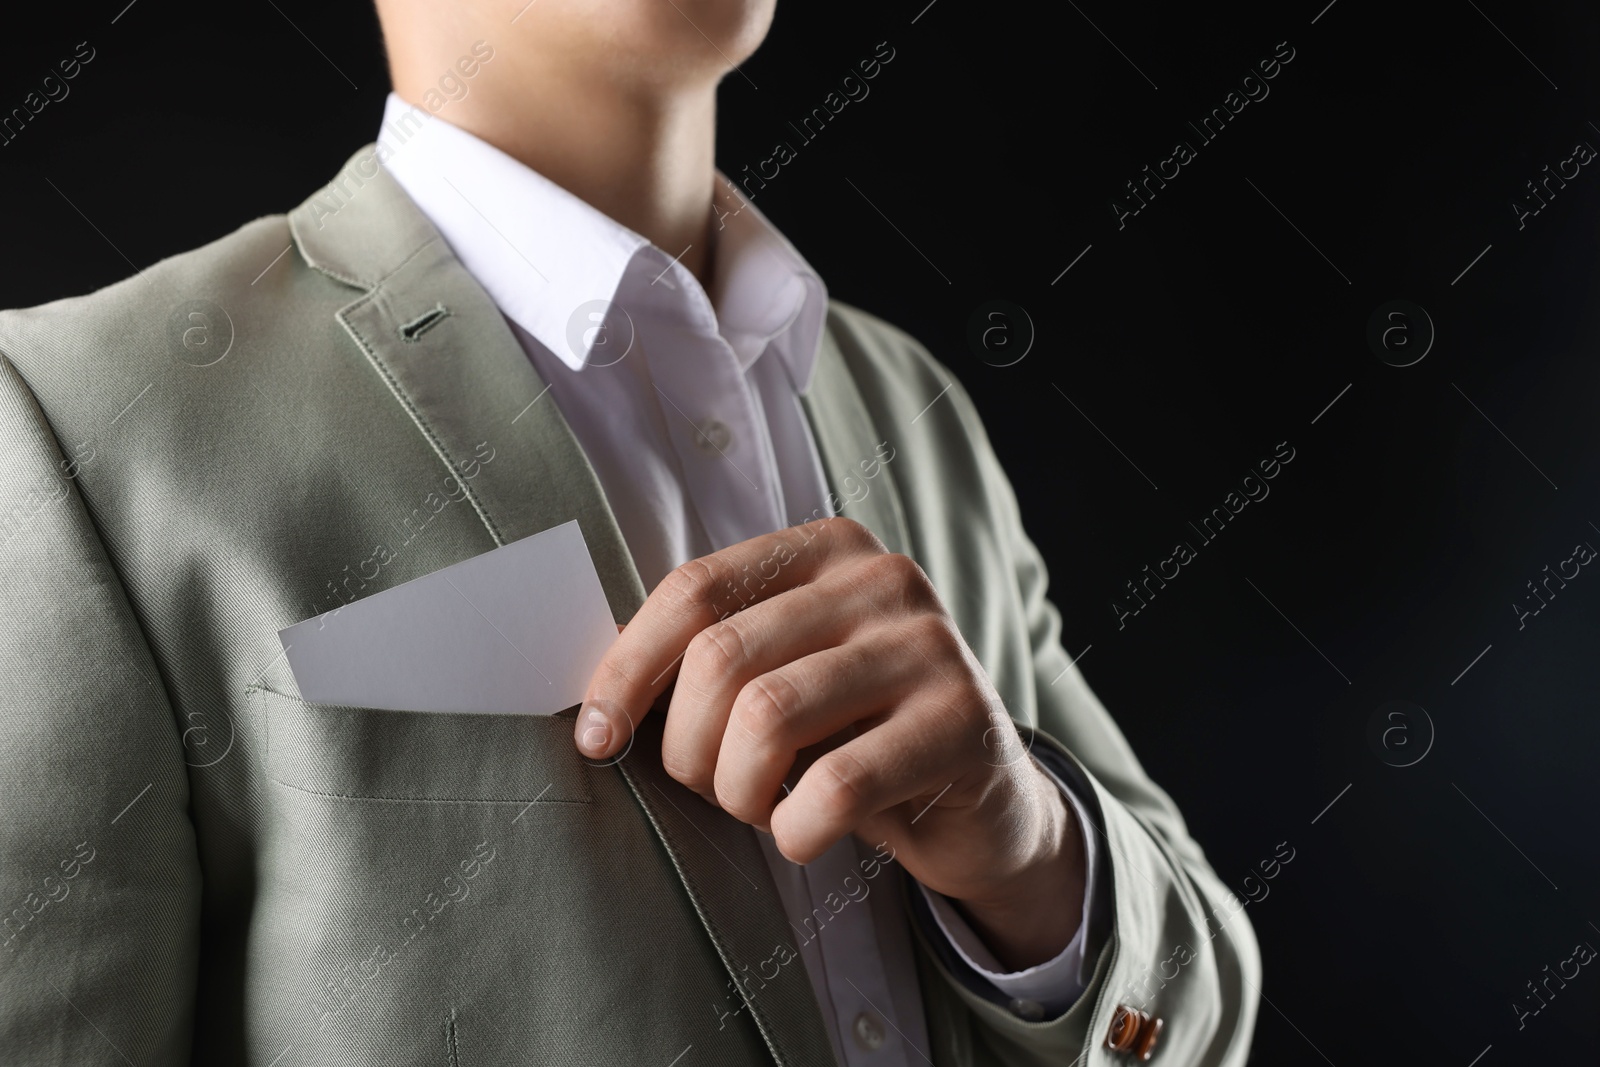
(596, 735)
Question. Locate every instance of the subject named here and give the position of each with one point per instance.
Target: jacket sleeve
(99, 876)
(1167, 937)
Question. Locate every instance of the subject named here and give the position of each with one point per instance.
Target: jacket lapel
(451, 361)
(846, 437)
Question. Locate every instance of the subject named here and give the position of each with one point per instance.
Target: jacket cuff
(1046, 990)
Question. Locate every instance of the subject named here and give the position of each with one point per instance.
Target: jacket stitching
(416, 415)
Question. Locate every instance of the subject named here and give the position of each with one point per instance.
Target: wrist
(1032, 915)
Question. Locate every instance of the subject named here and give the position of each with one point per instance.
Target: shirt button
(712, 436)
(1030, 1010)
(868, 1031)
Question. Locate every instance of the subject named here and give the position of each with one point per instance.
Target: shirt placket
(719, 432)
(716, 430)
(858, 985)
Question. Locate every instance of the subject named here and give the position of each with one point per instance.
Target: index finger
(639, 665)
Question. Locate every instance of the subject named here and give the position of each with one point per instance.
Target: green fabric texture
(203, 868)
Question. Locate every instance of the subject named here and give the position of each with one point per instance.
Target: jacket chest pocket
(370, 753)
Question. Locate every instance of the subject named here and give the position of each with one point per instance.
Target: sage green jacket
(197, 866)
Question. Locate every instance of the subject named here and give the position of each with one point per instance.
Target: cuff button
(1133, 1031)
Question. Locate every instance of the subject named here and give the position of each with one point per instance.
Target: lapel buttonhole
(413, 330)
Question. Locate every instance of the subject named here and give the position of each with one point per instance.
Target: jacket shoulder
(908, 390)
(881, 354)
(148, 315)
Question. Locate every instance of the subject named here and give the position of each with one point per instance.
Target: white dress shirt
(686, 401)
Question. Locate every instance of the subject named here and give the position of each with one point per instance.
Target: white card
(516, 630)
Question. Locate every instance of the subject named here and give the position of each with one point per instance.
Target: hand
(815, 655)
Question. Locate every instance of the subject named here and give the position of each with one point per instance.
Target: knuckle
(822, 526)
(689, 588)
(842, 786)
(912, 580)
(717, 651)
(902, 579)
(859, 535)
(614, 675)
(765, 707)
(923, 637)
(937, 634)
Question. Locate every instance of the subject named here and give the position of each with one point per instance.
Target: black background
(1219, 321)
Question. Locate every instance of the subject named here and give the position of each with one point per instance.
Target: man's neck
(646, 160)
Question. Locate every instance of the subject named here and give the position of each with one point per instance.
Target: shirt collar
(542, 253)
